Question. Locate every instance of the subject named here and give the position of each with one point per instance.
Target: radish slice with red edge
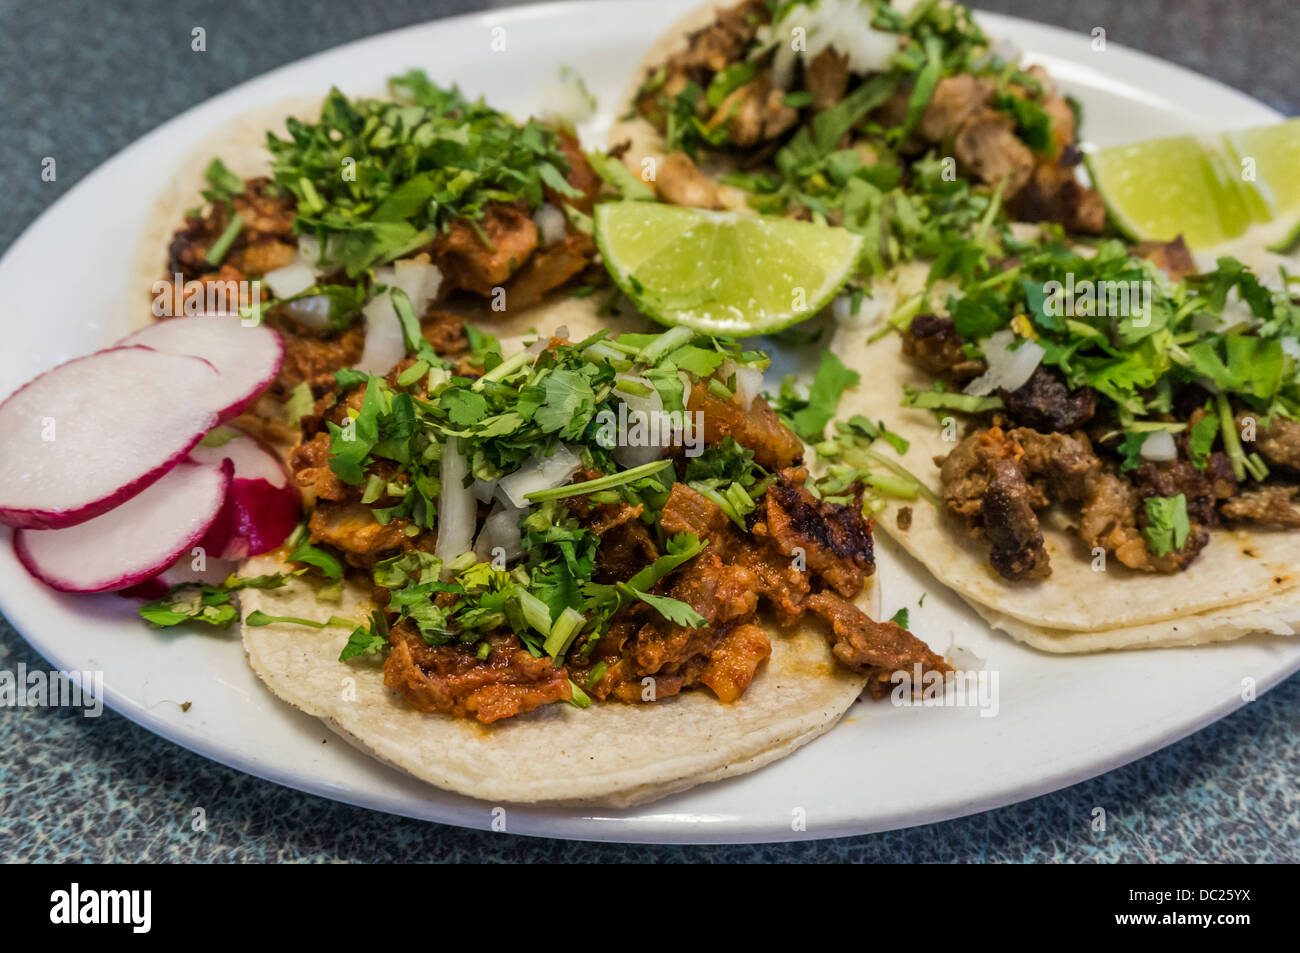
(246, 356)
(133, 542)
(263, 505)
(92, 433)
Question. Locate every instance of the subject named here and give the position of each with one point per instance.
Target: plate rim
(552, 822)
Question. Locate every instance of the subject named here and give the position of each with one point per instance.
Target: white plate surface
(1061, 719)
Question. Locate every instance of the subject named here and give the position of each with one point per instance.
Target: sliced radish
(94, 432)
(246, 357)
(262, 507)
(133, 542)
(186, 569)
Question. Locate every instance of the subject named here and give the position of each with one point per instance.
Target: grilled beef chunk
(933, 343)
(1010, 524)
(1278, 442)
(997, 481)
(984, 484)
(1046, 403)
(827, 78)
(1273, 505)
(1053, 194)
(1173, 258)
(1061, 465)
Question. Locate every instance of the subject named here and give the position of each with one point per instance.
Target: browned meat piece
(467, 262)
(1053, 194)
(835, 539)
(988, 148)
(680, 182)
(1173, 478)
(266, 234)
(451, 679)
(690, 511)
(1045, 403)
(1173, 258)
(755, 113)
(1011, 525)
(444, 331)
(581, 176)
(827, 78)
(722, 42)
(549, 268)
(1064, 463)
(934, 344)
(956, 101)
(996, 482)
(1278, 442)
(735, 660)
(1064, 133)
(964, 474)
(352, 528)
(705, 52)
(775, 446)
(1272, 505)
(315, 359)
(875, 649)
(264, 256)
(310, 464)
(1111, 518)
(627, 544)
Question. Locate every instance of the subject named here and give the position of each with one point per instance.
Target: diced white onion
(568, 99)
(749, 385)
(648, 410)
(419, 279)
(484, 490)
(312, 313)
(500, 529)
(550, 221)
(844, 25)
(290, 280)
(1009, 367)
(871, 309)
(749, 381)
(309, 248)
(1159, 446)
(457, 509)
(385, 345)
(538, 474)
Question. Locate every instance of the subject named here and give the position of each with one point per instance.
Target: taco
(578, 564)
(309, 215)
(518, 543)
(1107, 475)
(774, 105)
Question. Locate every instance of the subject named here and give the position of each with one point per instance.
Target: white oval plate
(1061, 719)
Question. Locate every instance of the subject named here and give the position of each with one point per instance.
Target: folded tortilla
(1240, 580)
(611, 754)
(644, 141)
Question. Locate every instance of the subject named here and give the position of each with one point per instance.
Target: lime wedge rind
(1207, 189)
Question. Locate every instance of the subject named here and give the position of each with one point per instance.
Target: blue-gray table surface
(84, 78)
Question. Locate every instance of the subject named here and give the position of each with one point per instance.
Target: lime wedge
(723, 272)
(1206, 189)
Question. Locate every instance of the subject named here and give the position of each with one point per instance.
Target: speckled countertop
(84, 79)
